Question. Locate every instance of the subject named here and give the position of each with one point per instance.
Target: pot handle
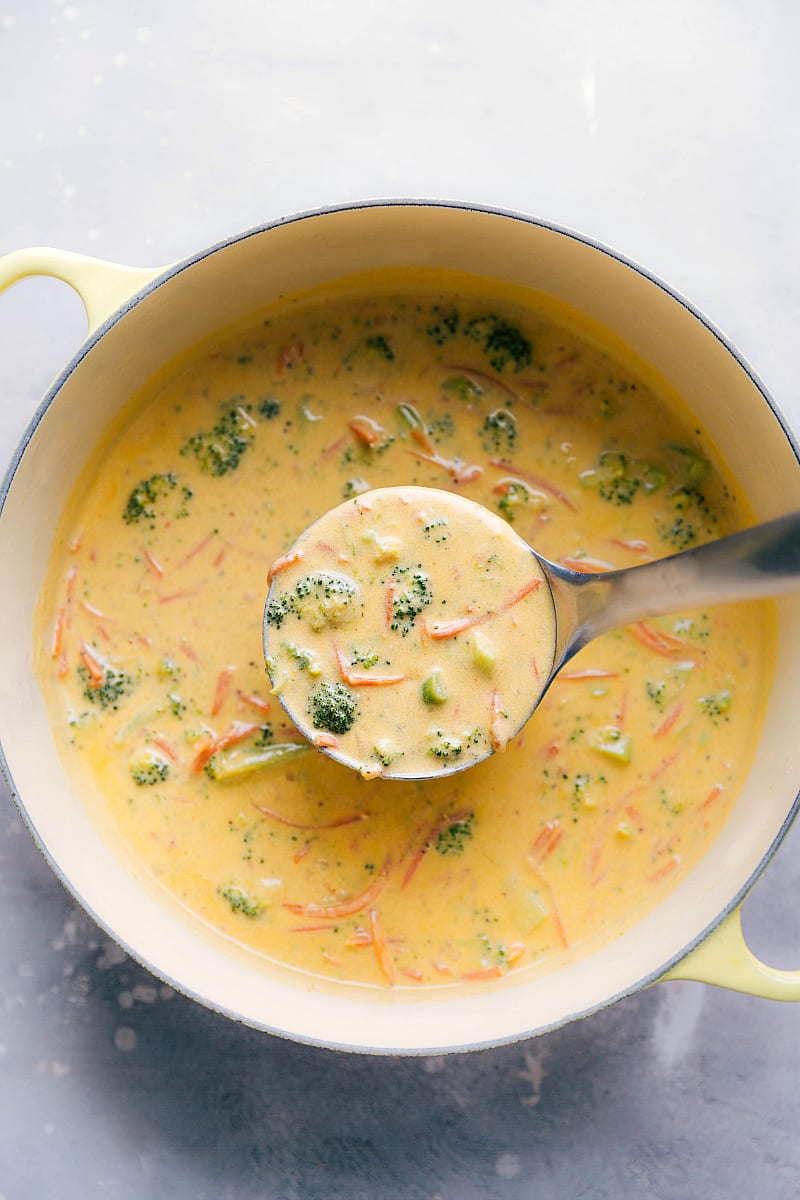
(725, 959)
(102, 286)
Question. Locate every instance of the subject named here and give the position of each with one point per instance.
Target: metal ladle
(754, 563)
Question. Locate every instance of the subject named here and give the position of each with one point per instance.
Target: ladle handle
(757, 562)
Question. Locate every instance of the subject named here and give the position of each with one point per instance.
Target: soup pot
(139, 319)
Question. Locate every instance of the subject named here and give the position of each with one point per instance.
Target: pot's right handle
(725, 959)
(102, 286)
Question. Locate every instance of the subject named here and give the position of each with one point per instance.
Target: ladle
(757, 562)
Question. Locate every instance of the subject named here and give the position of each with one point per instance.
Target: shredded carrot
(221, 555)
(359, 937)
(362, 678)
(300, 854)
(57, 642)
(285, 560)
(152, 564)
(208, 745)
(201, 545)
(70, 582)
(441, 968)
(504, 465)
(164, 746)
(515, 952)
(665, 764)
(589, 566)
(184, 595)
(345, 908)
(634, 544)
(669, 645)
(483, 973)
(672, 864)
(310, 929)
(368, 431)
(189, 650)
(457, 469)
(412, 973)
(669, 720)
(330, 959)
(589, 673)
(429, 836)
(382, 953)
(325, 741)
(224, 680)
(289, 356)
(461, 624)
(713, 795)
(95, 669)
(546, 841)
(257, 703)
(336, 823)
(76, 543)
(622, 710)
(609, 820)
(388, 604)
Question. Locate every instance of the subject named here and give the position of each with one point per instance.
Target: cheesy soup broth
(149, 651)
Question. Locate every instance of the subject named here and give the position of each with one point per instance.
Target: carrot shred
(210, 745)
(382, 952)
(634, 544)
(461, 624)
(70, 582)
(164, 746)
(300, 854)
(96, 672)
(545, 485)
(359, 937)
(368, 431)
(588, 673)
(289, 356)
(224, 680)
(669, 720)
(587, 565)
(256, 702)
(659, 640)
(459, 471)
(441, 968)
(546, 841)
(497, 719)
(153, 565)
(713, 795)
(345, 908)
(672, 864)
(57, 642)
(362, 678)
(325, 741)
(336, 823)
(665, 764)
(201, 545)
(482, 973)
(184, 595)
(281, 564)
(429, 835)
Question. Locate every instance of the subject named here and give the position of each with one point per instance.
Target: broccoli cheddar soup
(149, 637)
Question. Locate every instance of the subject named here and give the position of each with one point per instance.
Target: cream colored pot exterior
(139, 319)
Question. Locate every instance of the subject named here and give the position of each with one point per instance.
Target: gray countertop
(141, 132)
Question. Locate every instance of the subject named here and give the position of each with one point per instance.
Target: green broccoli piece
(453, 838)
(220, 449)
(240, 901)
(446, 747)
(499, 430)
(504, 344)
(269, 408)
(107, 694)
(444, 324)
(149, 770)
(325, 599)
(141, 505)
(409, 601)
(333, 707)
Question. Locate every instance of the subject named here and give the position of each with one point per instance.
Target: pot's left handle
(725, 959)
(102, 286)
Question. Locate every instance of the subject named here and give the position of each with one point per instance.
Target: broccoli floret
(465, 390)
(279, 608)
(269, 408)
(107, 694)
(379, 345)
(144, 497)
(504, 344)
(444, 324)
(240, 901)
(499, 430)
(149, 770)
(325, 599)
(353, 488)
(453, 839)
(220, 450)
(446, 747)
(333, 707)
(264, 736)
(408, 602)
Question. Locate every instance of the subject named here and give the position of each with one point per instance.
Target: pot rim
(162, 277)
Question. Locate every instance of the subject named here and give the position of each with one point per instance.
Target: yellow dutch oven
(138, 320)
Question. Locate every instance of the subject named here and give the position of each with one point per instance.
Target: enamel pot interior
(212, 291)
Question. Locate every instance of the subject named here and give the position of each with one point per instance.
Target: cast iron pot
(139, 320)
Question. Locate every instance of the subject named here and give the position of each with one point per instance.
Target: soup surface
(428, 632)
(149, 637)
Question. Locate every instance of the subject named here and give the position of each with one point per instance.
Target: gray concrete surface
(143, 131)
